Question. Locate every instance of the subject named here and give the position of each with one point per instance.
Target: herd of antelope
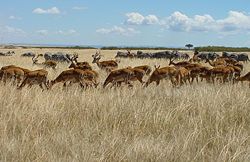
(221, 70)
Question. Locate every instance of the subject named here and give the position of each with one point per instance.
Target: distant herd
(222, 69)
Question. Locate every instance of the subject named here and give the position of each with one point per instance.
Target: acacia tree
(189, 46)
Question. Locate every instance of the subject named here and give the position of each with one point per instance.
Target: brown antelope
(79, 65)
(216, 62)
(4, 68)
(183, 75)
(244, 78)
(83, 77)
(117, 77)
(12, 73)
(187, 71)
(46, 64)
(35, 77)
(161, 73)
(182, 63)
(195, 58)
(227, 60)
(104, 65)
(137, 73)
(147, 69)
(223, 73)
(13, 66)
(222, 63)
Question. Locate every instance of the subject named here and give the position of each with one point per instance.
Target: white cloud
(43, 32)
(151, 19)
(53, 10)
(68, 32)
(14, 18)
(181, 22)
(135, 18)
(118, 30)
(8, 31)
(79, 8)
(234, 23)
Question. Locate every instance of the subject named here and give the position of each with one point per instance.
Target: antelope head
(96, 56)
(72, 59)
(157, 67)
(35, 58)
(171, 60)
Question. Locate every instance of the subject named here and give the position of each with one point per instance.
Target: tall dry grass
(199, 122)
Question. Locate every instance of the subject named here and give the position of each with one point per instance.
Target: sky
(168, 23)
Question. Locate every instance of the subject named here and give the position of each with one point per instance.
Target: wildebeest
(59, 57)
(159, 55)
(127, 54)
(9, 53)
(163, 54)
(141, 54)
(28, 54)
(243, 57)
(207, 55)
(238, 57)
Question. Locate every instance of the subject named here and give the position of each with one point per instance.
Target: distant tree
(189, 46)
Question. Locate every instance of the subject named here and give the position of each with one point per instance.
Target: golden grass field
(198, 122)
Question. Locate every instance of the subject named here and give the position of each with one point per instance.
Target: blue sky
(126, 23)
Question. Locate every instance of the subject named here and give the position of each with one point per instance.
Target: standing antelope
(12, 73)
(79, 65)
(46, 64)
(104, 65)
(161, 73)
(35, 77)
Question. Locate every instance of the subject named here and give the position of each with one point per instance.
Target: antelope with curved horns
(78, 65)
(104, 65)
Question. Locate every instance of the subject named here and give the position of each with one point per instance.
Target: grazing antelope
(79, 65)
(35, 77)
(104, 65)
(161, 73)
(83, 77)
(244, 78)
(137, 73)
(46, 64)
(117, 77)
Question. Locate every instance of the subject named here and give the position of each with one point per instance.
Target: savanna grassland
(198, 122)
